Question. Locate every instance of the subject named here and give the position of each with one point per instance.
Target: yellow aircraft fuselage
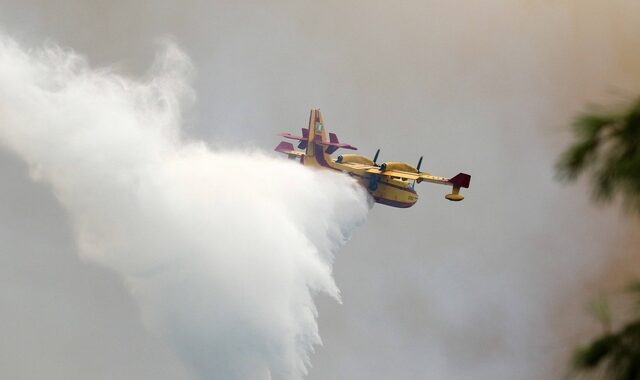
(391, 183)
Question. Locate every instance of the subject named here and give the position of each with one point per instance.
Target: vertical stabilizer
(317, 134)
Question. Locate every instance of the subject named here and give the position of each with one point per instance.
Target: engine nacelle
(355, 159)
(399, 166)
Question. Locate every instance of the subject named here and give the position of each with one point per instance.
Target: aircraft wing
(457, 182)
(460, 180)
(354, 167)
(371, 169)
(393, 173)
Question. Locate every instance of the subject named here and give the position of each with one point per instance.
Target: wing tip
(461, 180)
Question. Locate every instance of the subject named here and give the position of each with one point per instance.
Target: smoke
(494, 287)
(222, 250)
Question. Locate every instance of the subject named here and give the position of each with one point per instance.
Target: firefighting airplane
(390, 183)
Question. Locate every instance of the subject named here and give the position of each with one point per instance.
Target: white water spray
(222, 251)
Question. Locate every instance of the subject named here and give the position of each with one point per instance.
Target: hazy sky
(493, 287)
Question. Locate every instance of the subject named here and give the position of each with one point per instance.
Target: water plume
(222, 250)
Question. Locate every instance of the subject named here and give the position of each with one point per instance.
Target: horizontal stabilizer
(288, 135)
(334, 144)
(287, 148)
(284, 147)
(333, 147)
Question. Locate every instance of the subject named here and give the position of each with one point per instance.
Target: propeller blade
(419, 163)
(375, 158)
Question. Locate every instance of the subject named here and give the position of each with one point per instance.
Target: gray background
(494, 287)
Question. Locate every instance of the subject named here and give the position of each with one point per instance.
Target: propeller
(419, 163)
(375, 158)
